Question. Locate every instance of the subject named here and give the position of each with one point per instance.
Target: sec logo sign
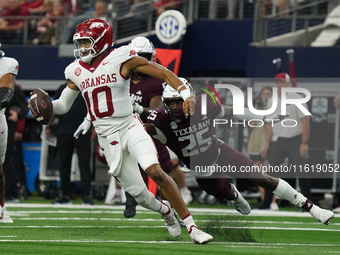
(170, 26)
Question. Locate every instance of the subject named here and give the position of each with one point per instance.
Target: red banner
(169, 58)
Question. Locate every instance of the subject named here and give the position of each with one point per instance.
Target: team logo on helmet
(77, 71)
(96, 24)
(173, 125)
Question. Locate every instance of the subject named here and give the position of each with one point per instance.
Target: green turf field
(48, 229)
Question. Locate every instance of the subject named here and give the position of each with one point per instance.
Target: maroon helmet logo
(77, 71)
(132, 52)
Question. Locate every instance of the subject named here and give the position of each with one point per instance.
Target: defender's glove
(274, 120)
(137, 108)
(83, 128)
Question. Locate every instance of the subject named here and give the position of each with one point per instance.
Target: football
(41, 106)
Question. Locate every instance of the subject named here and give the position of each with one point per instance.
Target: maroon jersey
(192, 139)
(146, 89)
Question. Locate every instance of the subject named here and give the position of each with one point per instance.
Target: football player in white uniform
(102, 75)
(8, 69)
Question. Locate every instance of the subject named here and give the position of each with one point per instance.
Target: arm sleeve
(65, 101)
(20, 126)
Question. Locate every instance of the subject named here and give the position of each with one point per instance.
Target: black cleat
(130, 207)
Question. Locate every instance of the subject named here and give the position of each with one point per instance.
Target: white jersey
(104, 89)
(295, 114)
(7, 65)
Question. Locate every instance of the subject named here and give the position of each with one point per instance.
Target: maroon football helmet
(99, 32)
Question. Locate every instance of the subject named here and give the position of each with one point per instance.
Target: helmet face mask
(85, 54)
(173, 101)
(98, 32)
(173, 108)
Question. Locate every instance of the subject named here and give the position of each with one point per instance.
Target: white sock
(148, 200)
(189, 222)
(285, 191)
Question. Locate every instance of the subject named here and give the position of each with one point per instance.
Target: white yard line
(195, 211)
(234, 244)
(226, 227)
(19, 216)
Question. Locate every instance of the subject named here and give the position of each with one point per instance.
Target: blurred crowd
(54, 21)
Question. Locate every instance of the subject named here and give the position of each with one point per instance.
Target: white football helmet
(143, 47)
(169, 96)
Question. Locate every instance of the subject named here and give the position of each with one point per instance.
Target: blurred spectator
(135, 22)
(270, 7)
(35, 7)
(46, 26)
(3, 7)
(257, 141)
(100, 10)
(17, 110)
(44, 23)
(282, 142)
(18, 161)
(163, 5)
(96, 11)
(117, 8)
(11, 30)
(74, 7)
(66, 144)
(265, 93)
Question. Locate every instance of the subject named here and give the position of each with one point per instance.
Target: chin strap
(6, 95)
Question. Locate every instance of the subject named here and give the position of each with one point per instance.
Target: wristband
(185, 94)
(305, 142)
(139, 109)
(180, 87)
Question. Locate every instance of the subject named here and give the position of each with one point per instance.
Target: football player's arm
(6, 89)
(150, 129)
(63, 104)
(5, 26)
(337, 102)
(305, 136)
(155, 70)
(156, 103)
(228, 111)
(269, 134)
